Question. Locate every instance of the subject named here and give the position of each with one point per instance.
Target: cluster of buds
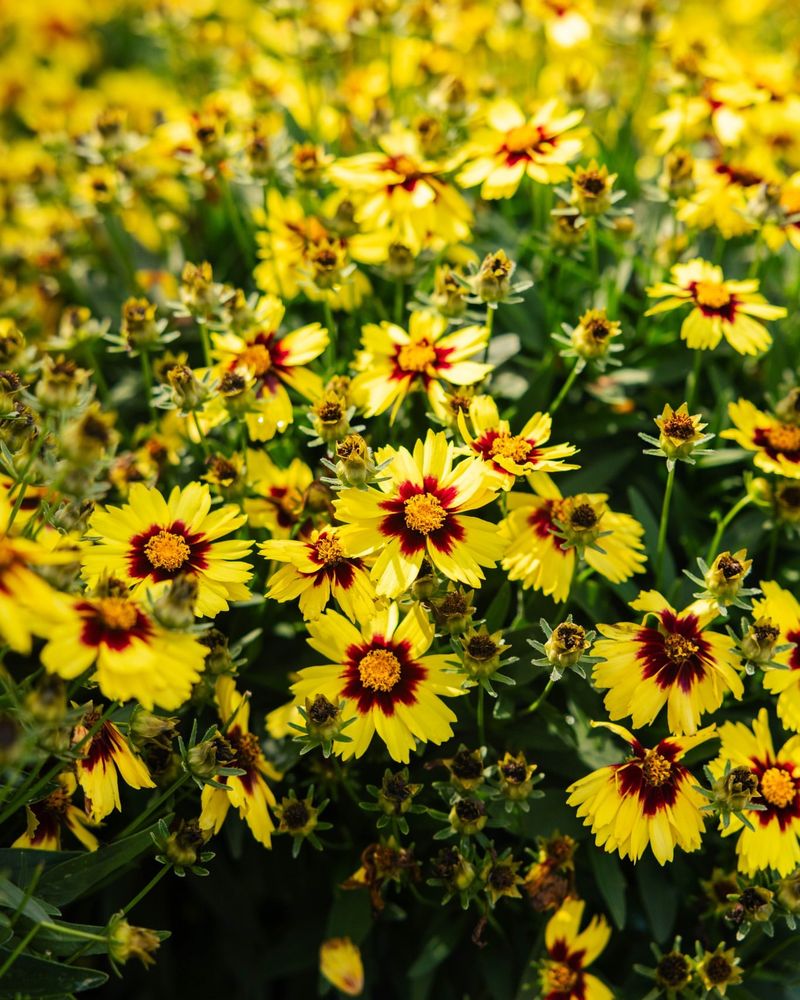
(680, 436)
(322, 725)
(567, 648)
(591, 340)
(299, 818)
(731, 794)
(722, 581)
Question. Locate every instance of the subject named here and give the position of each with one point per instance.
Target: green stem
(97, 371)
(19, 949)
(147, 378)
(535, 704)
(481, 716)
(119, 245)
(206, 342)
(564, 389)
(333, 334)
(662, 527)
(239, 231)
(773, 550)
(723, 524)
(71, 932)
(399, 302)
(203, 439)
(23, 480)
(594, 252)
(694, 380)
(150, 885)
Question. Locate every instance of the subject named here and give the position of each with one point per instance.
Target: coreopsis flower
(505, 455)
(500, 877)
(719, 969)
(248, 792)
(278, 495)
(680, 435)
(387, 682)
(776, 442)
(401, 193)
(720, 308)
(340, 963)
(648, 799)
(782, 610)
(56, 812)
(26, 599)
(419, 512)
(133, 655)
(562, 973)
(151, 540)
(273, 363)
(317, 570)
(393, 362)
(103, 757)
(592, 189)
(511, 146)
(537, 552)
(677, 660)
(772, 842)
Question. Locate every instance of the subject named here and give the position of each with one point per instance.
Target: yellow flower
(783, 608)
(133, 655)
(776, 444)
(318, 569)
(720, 308)
(562, 973)
(511, 146)
(279, 495)
(676, 661)
(420, 511)
(505, 455)
(534, 532)
(102, 757)
(649, 799)
(150, 541)
(773, 841)
(49, 815)
(393, 362)
(248, 792)
(272, 363)
(386, 681)
(340, 963)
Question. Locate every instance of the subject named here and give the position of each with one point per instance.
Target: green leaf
(79, 876)
(436, 948)
(13, 898)
(36, 977)
(611, 883)
(659, 898)
(497, 612)
(21, 863)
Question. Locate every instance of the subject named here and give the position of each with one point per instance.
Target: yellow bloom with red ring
(511, 146)
(676, 661)
(647, 800)
(248, 792)
(278, 496)
(47, 817)
(388, 684)
(776, 443)
(774, 841)
(152, 540)
(569, 951)
(535, 528)
(133, 655)
(393, 362)
(273, 363)
(103, 757)
(783, 609)
(506, 455)
(317, 570)
(420, 510)
(720, 308)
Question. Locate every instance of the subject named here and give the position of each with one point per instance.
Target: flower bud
(492, 283)
(673, 972)
(188, 392)
(452, 870)
(760, 640)
(184, 844)
(139, 328)
(449, 294)
(678, 176)
(426, 583)
(736, 789)
(400, 262)
(787, 502)
(353, 463)
(329, 417)
(396, 793)
(726, 574)
(789, 892)
(127, 942)
(61, 383)
(323, 718)
(566, 645)
(146, 728)
(680, 433)
(481, 651)
(453, 611)
(468, 816)
(592, 336)
(788, 409)
(516, 776)
(218, 657)
(297, 817)
(466, 769)
(591, 189)
(175, 607)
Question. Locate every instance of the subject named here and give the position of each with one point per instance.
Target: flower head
(776, 443)
(562, 973)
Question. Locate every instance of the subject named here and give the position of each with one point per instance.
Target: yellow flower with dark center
(394, 362)
(774, 840)
(569, 951)
(420, 512)
(782, 609)
(677, 661)
(720, 308)
(776, 443)
(388, 683)
(151, 540)
(537, 553)
(512, 146)
(56, 812)
(248, 792)
(649, 799)
(507, 456)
